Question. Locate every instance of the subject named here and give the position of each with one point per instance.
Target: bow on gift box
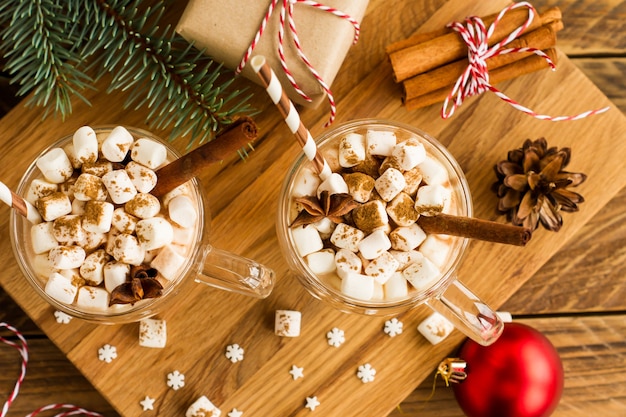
(286, 16)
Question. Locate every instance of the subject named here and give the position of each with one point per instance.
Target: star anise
(532, 186)
(142, 285)
(332, 206)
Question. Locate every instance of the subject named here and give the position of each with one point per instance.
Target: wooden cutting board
(243, 197)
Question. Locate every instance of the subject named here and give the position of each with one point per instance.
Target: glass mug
(447, 295)
(204, 263)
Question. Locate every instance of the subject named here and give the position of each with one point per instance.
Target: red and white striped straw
(23, 207)
(290, 114)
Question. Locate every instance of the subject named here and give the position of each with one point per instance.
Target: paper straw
(290, 114)
(20, 205)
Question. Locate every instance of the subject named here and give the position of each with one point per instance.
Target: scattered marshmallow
(175, 380)
(321, 262)
(203, 407)
(287, 323)
(42, 237)
(346, 237)
(436, 249)
(60, 288)
(307, 240)
(115, 274)
(396, 287)
(89, 187)
(358, 286)
(409, 153)
(431, 199)
(370, 216)
(366, 373)
(98, 216)
(152, 333)
(334, 184)
(413, 179)
(148, 153)
(117, 144)
(422, 274)
(433, 172)
(143, 206)
(234, 353)
(407, 238)
(92, 269)
(54, 205)
(78, 207)
(154, 233)
(382, 267)
(347, 262)
(39, 188)
(144, 179)
(402, 210)
(119, 186)
(351, 150)
(435, 328)
(182, 211)
(380, 142)
(85, 145)
(98, 168)
(92, 298)
(360, 186)
(168, 262)
(390, 183)
(126, 248)
(374, 245)
(66, 257)
(41, 265)
(306, 183)
(92, 240)
(55, 166)
(123, 221)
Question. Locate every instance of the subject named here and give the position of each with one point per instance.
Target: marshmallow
(78, 207)
(334, 184)
(123, 221)
(154, 233)
(346, 237)
(39, 188)
(98, 216)
(305, 183)
(60, 288)
(402, 210)
(73, 275)
(380, 142)
(42, 237)
(431, 199)
(148, 153)
(55, 166)
(389, 162)
(119, 186)
(144, 179)
(152, 333)
(143, 206)
(407, 238)
(91, 240)
(306, 239)
(435, 328)
(168, 262)
(321, 262)
(89, 187)
(409, 153)
(405, 258)
(369, 166)
(390, 183)
(203, 407)
(413, 179)
(287, 323)
(433, 172)
(117, 144)
(41, 265)
(115, 274)
(54, 205)
(85, 144)
(92, 269)
(347, 262)
(436, 249)
(71, 155)
(66, 257)
(358, 286)
(351, 150)
(370, 216)
(360, 186)
(182, 236)
(421, 273)
(180, 190)
(373, 245)
(325, 226)
(182, 211)
(68, 228)
(382, 268)
(92, 298)
(98, 168)
(126, 248)
(110, 240)
(396, 287)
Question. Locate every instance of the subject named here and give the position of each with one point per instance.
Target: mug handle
(228, 271)
(468, 313)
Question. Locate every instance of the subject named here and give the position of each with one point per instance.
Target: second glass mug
(447, 295)
(204, 263)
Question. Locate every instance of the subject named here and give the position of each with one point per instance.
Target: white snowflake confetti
(107, 353)
(175, 380)
(366, 373)
(62, 318)
(234, 353)
(235, 413)
(393, 327)
(296, 372)
(147, 403)
(311, 403)
(335, 337)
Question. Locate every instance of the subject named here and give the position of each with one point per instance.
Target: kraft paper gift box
(224, 29)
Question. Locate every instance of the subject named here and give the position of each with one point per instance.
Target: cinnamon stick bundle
(241, 132)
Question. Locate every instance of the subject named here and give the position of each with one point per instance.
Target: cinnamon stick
(475, 229)
(541, 38)
(447, 48)
(241, 132)
(524, 66)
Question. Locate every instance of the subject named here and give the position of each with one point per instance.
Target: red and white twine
(22, 347)
(287, 20)
(475, 78)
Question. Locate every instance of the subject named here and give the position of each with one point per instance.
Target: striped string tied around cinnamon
(287, 19)
(475, 78)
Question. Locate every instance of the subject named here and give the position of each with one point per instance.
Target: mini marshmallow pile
(379, 252)
(100, 218)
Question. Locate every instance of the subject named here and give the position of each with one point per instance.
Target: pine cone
(532, 186)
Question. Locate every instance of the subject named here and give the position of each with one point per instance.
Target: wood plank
(593, 353)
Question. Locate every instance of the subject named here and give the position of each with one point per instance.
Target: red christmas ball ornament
(519, 375)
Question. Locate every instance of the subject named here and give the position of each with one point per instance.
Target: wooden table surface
(577, 298)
